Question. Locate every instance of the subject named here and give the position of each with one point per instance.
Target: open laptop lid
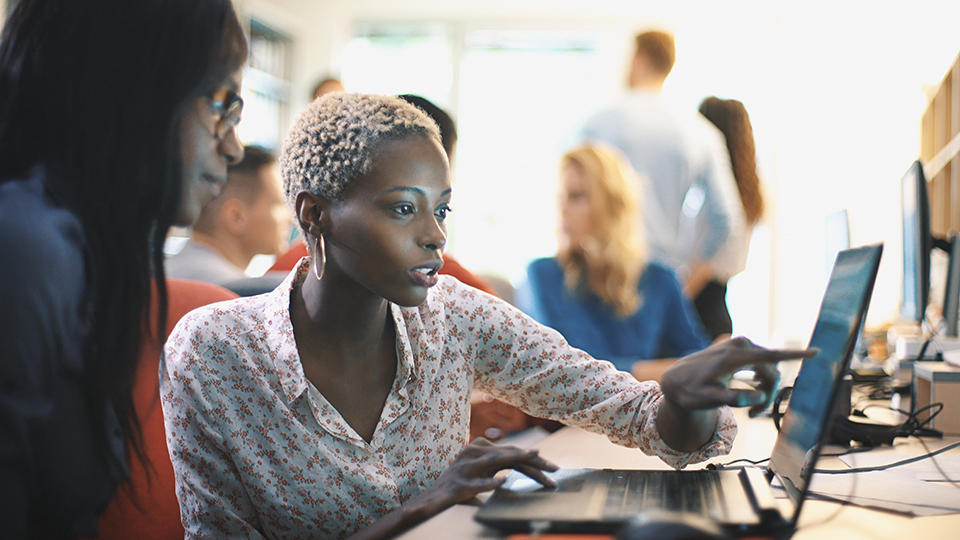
(809, 414)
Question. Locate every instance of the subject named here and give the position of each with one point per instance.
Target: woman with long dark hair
(116, 121)
(707, 284)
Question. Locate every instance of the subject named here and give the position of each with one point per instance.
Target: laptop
(742, 501)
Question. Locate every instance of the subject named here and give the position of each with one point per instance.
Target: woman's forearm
(406, 517)
(651, 370)
(685, 430)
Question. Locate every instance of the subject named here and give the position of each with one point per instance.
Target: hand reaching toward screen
(697, 384)
(702, 380)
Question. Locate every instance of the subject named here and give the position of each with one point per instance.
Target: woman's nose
(230, 147)
(435, 235)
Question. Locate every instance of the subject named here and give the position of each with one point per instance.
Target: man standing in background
(681, 157)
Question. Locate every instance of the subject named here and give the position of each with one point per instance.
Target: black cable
(889, 465)
(851, 450)
(923, 348)
(913, 426)
(875, 390)
(946, 477)
(719, 466)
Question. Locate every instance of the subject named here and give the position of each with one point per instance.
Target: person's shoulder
(544, 266)
(704, 132)
(199, 262)
(43, 286)
(37, 237)
(656, 273)
(27, 210)
(189, 251)
(610, 111)
(545, 274)
(220, 320)
(449, 286)
(453, 299)
(213, 339)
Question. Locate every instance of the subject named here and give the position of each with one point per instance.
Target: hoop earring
(320, 254)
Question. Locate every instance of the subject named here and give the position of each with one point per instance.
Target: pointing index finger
(759, 355)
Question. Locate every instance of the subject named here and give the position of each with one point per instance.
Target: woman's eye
(404, 209)
(442, 212)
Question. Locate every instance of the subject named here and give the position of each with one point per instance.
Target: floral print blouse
(258, 452)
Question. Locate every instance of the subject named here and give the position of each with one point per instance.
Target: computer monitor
(837, 237)
(951, 296)
(917, 243)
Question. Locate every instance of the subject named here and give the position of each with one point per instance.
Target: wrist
(422, 507)
(396, 522)
(683, 429)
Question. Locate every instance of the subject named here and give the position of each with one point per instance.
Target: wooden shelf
(940, 152)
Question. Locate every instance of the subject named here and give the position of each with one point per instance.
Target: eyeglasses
(228, 106)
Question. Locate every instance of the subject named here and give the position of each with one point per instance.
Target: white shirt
(674, 153)
(202, 263)
(259, 452)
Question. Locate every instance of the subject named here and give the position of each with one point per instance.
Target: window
(400, 59)
(518, 98)
(266, 88)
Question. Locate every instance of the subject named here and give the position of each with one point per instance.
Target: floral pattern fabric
(259, 452)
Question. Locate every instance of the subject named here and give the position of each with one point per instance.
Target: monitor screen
(951, 291)
(837, 228)
(917, 243)
(816, 388)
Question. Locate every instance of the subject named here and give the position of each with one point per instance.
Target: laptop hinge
(761, 496)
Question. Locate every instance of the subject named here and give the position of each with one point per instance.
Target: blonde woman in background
(600, 291)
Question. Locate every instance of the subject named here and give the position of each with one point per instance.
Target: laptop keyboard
(692, 491)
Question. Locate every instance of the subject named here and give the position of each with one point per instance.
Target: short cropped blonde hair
(337, 137)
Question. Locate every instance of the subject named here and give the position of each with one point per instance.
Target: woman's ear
(310, 210)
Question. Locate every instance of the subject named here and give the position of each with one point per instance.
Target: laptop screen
(815, 390)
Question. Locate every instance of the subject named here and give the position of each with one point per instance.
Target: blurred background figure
(248, 218)
(600, 291)
(328, 85)
(448, 129)
(707, 284)
(679, 154)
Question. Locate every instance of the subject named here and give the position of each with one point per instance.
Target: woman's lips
(216, 183)
(426, 275)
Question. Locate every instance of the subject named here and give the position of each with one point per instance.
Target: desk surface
(575, 448)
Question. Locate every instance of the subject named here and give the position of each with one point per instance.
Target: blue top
(54, 482)
(665, 326)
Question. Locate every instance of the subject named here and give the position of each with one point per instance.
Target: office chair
(145, 507)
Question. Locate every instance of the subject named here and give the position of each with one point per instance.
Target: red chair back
(145, 507)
